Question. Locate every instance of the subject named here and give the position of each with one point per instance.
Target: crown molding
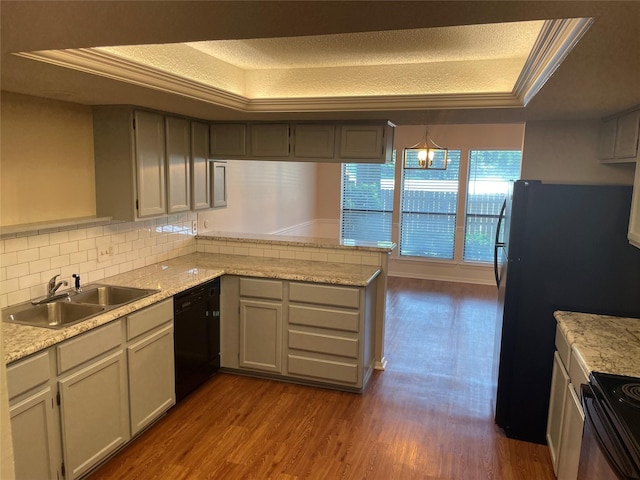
(555, 41)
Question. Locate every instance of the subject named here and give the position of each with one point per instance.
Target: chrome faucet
(51, 295)
(53, 286)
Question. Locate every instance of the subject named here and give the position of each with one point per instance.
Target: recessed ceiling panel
(474, 66)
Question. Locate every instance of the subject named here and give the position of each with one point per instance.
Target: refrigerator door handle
(497, 244)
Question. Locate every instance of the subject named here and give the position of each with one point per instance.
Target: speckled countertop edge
(299, 241)
(179, 274)
(603, 343)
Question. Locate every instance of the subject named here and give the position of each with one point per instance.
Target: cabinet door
(314, 141)
(607, 140)
(178, 164)
(35, 437)
(151, 378)
(627, 136)
(200, 182)
(228, 140)
(559, 388)
(634, 217)
(270, 140)
(219, 183)
(261, 335)
(361, 141)
(571, 437)
(150, 164)
(94, 413)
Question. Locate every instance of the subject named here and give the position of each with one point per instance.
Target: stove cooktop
(620, 396)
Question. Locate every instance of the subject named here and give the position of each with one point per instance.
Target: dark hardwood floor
(429, 415)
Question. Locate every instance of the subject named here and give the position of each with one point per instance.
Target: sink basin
(110, 295)
(53, 314)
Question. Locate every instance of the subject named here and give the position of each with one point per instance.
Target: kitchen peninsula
(299, 310)
(291, 258)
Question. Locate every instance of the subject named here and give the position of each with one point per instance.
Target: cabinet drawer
(259, 288)
(324, 318)
(563, 348)
(27, 374)
(323, 343)
(323, 369)
(325, 294)
(577, 375)
(149, 318)
(89, 345)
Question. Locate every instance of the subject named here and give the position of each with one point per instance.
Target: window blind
(490, 172)
(367, 201)
(429, 209)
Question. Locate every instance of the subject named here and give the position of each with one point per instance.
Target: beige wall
(567, 152)
(264, 197)
(46, 155)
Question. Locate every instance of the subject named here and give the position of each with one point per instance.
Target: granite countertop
(177, 275)
(299, 241)
(603, 343)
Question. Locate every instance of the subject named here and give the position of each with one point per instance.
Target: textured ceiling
(427, 61)
(394, 47)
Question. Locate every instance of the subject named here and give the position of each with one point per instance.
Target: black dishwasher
(196, 336)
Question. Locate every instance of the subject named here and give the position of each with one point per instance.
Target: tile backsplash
(28, 261)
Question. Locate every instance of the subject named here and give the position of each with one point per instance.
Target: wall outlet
(105, 252)
(194, 227)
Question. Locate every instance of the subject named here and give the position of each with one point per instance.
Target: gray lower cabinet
(261, 325)
(94, 413)
(330, 333)
(566, 418)
(34, 426)
(150, 362)
(94, 406)
(73, 405)
(307, 332)
(559, 389)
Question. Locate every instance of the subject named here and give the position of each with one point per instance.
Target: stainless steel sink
(76, 307)
(52, 315)
(109, 295)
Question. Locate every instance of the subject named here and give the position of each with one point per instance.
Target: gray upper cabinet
(619, 136)
(634, 216)
(178, 149)
(150, 164)
(339, 142)
(129, 150)
(270, 140)
(200, 178)
(219, 182)
(228, 140)
(314, 141)
(361, 141)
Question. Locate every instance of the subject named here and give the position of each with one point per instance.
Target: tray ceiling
(472, 66)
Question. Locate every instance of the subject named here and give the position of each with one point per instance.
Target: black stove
(619, 399)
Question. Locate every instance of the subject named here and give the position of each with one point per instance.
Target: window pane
(428, 216)
(490, 172)
(367, 201)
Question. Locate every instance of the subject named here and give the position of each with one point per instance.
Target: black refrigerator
(558, 247)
